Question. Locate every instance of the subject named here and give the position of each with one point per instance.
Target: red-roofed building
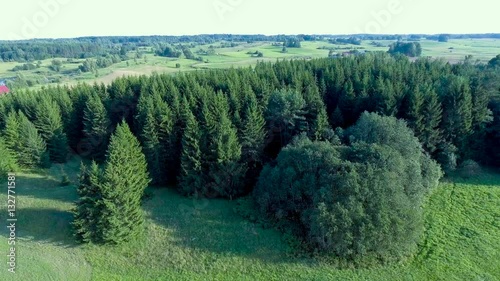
(4, 90)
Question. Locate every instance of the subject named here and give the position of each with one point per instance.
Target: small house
(4, 89)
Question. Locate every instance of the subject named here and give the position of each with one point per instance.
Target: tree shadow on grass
(213, 226)
(44, 187)
(44, 225)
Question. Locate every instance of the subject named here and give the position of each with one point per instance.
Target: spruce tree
(89, 205)
(8, 161)
(123, 183)
(155, 123)
(414, 116)
(321, 129)
(153, 150)
(227, 172)
(457, 111)
(79, 97)
(191, 176)
(49, 124)
(337, 119)
(234, 100)
(431, 135)
(11, 131)
(221, 148)
(3, 116)
(22, 138)
(347, 103)
(253, 132)
(63, 100)
(96, 128)
(168, 152)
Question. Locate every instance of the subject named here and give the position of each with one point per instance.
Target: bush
(469, 168)
(355, 202)
(65, 181)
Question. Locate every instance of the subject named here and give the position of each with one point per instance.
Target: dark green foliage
(8, 161)
(445, 105)
(191, 179)
(221, 149)
(494, 62)
(22, 137)
(188, 53)
(124, 179)
(493, 135)
(225, 172)
(86, 222)
(411, 49)
(431, 111)
(96, 128)
(253, 132)
(155, 122)
(355, 202)
(152, 149)
(443, 38)
(292, 43)
(374, 128)
(79, 97)
(168, 51)
(11, 131)
(65, 181)
(457, 111)
(337, 119)
(285, 117)
(50, 126)
(447, 156)
(109, 208)
(320, 129)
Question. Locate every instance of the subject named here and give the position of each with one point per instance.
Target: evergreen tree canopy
(124, 180)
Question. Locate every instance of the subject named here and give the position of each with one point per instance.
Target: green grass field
(453, 51)
(198, 240)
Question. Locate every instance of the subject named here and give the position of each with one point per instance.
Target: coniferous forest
(340, 153)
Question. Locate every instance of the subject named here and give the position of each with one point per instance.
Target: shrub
(469, 168)
(65, 181)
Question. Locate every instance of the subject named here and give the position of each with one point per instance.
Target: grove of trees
(355, 200)
(341, 152)
(411, 49)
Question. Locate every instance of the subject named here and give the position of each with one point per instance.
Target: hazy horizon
(70, 18)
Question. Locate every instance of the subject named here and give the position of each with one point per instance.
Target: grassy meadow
(207, 240)
(453, 51)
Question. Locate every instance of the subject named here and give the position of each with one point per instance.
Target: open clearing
(196, 240)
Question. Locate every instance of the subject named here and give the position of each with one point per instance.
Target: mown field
(208, 240)
(453, 51)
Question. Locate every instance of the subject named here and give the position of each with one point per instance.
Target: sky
(28, 19)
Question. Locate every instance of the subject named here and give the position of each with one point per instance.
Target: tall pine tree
(96, 127)
(89, 205)
(30, 147)
(49, 124)
(191, 179)
(123, 183)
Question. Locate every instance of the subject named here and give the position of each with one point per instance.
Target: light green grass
(196, 240)
(480, 49)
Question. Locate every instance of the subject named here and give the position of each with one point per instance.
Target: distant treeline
(40, 50)
(87, 47)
